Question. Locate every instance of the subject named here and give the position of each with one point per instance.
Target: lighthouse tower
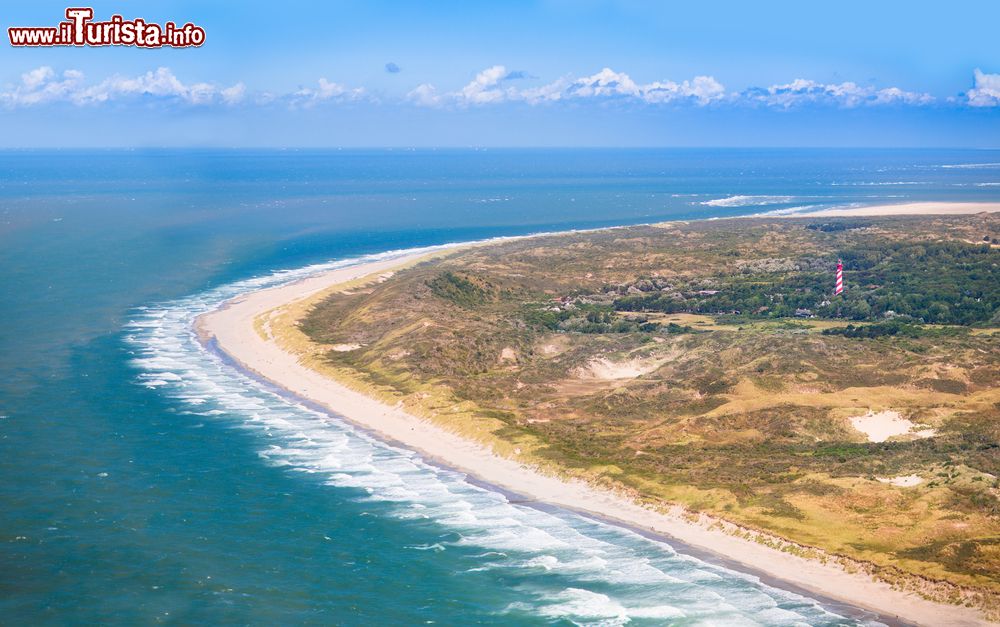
(840, 277)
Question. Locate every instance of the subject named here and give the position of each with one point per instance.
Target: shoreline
(925, 208)
(841, 607)
(230, 330)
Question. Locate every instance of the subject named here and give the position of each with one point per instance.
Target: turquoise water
(145, 480)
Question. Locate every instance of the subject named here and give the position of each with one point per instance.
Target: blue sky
(555, 73)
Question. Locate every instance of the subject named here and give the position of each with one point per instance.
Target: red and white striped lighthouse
(840, 277)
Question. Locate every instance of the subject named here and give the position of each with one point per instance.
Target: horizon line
(490, 147)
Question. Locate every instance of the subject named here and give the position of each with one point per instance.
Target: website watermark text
(80, 29)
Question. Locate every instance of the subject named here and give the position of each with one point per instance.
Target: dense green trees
(932, 282)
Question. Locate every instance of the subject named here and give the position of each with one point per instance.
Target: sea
(146, 480)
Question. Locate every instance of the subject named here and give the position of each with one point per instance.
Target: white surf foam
(970, 166)
(747, 201)
(788, 211)
(805, 210)
(877, 183)
(574, 568)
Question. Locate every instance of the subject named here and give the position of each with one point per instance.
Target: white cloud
(425, 95)
(485, 88)
(550, 92)
(42, 86)
(327, 90)
(986, 92)
(895, 95)
(493, 85)
(37, 77)
(265, 98)
(702, 89)
(235, 94)
(607, 82)
(490, 87)
(847, 94)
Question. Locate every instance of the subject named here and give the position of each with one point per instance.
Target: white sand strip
(905, 209)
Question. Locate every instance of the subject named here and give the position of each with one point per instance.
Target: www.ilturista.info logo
(79, 29)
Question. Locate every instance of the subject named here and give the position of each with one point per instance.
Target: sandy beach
(232, 328)
(907, 209)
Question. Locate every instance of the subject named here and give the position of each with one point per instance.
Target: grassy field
(706, 364)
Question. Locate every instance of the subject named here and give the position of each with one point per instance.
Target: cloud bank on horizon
(492, 86)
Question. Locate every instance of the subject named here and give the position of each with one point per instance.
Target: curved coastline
(841, 607)
(230, 330)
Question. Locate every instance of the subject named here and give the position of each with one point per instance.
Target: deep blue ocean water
(142, 480)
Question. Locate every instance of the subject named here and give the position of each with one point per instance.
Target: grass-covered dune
(708, 364)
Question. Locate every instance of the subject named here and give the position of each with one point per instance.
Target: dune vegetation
(708, 364)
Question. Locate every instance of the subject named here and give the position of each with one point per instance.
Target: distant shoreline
(237, 332)
(902, 209)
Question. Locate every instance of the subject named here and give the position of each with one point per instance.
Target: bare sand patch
(551, 345)
(880, 426)
(345, 348)
(902, 481)
(605, 369)
(508, 354)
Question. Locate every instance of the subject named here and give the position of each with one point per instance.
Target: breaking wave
(789, 211)
(747, 201)
(805, 210)
(970, 166)
(877, 183)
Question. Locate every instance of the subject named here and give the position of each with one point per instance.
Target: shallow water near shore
(145, 480)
